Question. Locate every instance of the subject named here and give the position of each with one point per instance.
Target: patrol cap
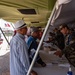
(19, 24)
(34, 29)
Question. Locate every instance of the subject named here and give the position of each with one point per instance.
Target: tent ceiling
(9, 10)
(67, 14)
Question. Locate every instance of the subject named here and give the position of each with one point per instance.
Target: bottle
(70, 71)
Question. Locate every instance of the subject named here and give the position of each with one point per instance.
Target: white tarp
(59, 4)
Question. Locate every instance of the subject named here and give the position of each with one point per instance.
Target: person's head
(55, 30)
(34, 32)
(64, 29)
(21, 27)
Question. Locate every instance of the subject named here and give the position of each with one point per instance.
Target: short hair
(63, 26)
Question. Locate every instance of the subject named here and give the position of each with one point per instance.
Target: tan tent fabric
(43, 8)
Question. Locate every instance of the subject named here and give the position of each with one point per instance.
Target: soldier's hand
(58, 53)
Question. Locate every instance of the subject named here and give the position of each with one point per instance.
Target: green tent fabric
(9, 11)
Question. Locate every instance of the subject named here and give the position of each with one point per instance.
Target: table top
(53, 70)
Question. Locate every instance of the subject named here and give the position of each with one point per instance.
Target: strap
(30, 47)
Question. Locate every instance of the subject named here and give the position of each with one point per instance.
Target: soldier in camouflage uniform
(69, 51)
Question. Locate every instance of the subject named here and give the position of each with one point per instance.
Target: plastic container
(70, 71)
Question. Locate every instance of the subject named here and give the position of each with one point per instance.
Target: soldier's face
(65, 31)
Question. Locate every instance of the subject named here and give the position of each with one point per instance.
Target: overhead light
(27, 11)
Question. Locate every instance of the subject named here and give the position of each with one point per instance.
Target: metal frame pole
(48, 24)
(4, 36)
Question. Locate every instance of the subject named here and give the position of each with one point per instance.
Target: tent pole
(4, 36)
(47, 26)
